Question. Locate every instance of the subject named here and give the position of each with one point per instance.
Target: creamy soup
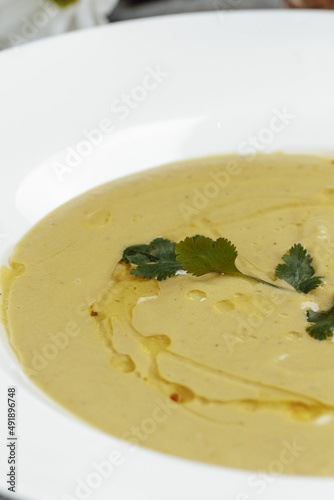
(216, 368)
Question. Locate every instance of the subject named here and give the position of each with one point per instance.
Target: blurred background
(22, 21)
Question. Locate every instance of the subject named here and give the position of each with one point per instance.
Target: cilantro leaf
(323, 324)
(298, 270)
(156, 260)
(163, 249)
(202, 255)
(159, 270)
(137, 254)
(197, 255)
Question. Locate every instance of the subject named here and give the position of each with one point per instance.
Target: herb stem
(264, 282)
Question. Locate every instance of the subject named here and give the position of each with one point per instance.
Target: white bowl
(198, 85)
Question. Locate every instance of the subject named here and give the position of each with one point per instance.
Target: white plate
(198, 84)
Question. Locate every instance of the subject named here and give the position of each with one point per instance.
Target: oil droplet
(294, 336)
(155, 344)
(123, 363)
(301, 411)
(225, 306)
(272, 275)
(99, 218)
(181, 394)
(196, 295)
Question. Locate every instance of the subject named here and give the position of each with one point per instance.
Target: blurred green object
(63, 3)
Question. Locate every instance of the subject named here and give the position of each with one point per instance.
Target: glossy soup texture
(218, 369)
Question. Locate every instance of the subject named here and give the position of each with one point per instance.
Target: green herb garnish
(200, 255)
(196, 255)
(298, 270)
(323, 324)
(156, 260)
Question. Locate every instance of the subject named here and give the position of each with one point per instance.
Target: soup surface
(215, 368)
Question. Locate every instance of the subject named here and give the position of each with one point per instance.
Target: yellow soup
(215, 368)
